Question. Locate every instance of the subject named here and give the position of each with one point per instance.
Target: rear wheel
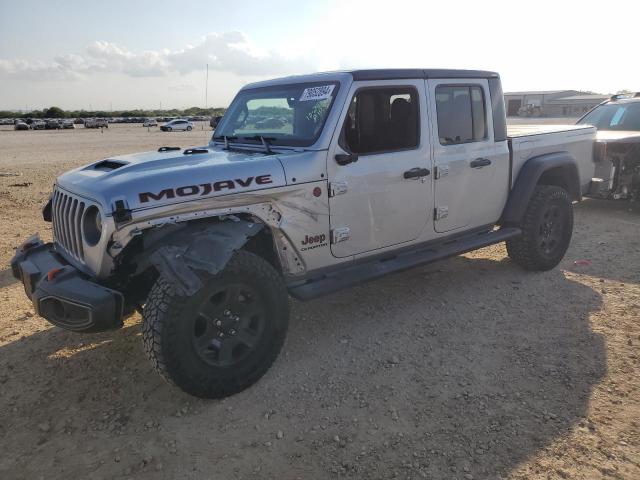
(226, 336)
(547, 226)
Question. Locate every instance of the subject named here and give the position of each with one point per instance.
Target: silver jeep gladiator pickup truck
(309, 185)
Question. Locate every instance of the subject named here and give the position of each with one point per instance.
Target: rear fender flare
(558, 168)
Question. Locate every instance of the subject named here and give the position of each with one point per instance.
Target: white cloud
(233, 52)
(30, 70)
(109, 57)
(229, 52)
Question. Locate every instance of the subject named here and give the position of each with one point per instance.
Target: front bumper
(62, 294)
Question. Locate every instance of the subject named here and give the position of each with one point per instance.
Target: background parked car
(177, 125)
(150, 123)
(213, 123)
(68, 124)
(52, 124)
(20, 126)
(95, 123)
(38, 125)
(270, 123)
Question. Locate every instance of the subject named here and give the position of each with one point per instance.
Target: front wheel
(188, 129)
(547, 226)
(225, 337)
(168, 129)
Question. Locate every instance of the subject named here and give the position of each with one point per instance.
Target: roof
(592, 96)
(538, 92)
(398, 73)
(375, 74)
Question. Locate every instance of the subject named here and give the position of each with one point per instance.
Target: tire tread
(157, 332)
(523, 249)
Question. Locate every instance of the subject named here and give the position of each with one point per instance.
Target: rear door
(471, 174)
(385, 197)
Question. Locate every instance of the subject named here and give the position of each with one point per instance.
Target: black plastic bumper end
(62, 294)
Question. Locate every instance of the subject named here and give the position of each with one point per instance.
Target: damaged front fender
(208, 247)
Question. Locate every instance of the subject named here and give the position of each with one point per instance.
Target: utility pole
(206, 89)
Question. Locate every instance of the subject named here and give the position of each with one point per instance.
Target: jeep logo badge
(313, 241)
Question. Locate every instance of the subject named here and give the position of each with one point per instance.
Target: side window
(462, 117)
(382, 120)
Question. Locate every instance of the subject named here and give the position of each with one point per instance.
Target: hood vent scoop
(168, 149)
(108, 165)
(191, 151)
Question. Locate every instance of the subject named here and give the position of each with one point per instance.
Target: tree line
(57, 112)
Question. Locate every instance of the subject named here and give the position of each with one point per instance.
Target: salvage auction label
(316, 93)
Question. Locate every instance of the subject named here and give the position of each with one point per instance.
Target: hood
(615, 136)
(151, 179)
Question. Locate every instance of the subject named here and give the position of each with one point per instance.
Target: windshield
(614, 116)
(284, 114)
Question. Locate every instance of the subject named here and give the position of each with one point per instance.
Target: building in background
(551, 103)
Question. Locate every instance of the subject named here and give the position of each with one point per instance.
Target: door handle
(480, 162)
(416, 172)
(346, 158)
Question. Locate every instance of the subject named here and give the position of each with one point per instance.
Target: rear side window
(382, 120)
(462, 117)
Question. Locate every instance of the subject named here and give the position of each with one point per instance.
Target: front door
(379, 168)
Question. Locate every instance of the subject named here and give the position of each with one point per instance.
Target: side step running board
(362, 272)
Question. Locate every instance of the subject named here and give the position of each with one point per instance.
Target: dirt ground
(465, 369)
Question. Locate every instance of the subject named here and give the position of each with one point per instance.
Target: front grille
(67, 211)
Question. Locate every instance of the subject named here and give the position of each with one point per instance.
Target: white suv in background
(177, 125)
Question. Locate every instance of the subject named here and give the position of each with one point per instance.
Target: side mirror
(346, 158)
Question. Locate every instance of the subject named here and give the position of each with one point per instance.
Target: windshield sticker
(316, 93)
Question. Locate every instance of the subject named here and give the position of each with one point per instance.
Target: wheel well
(561, 177)
(136, 274)
(264, 246)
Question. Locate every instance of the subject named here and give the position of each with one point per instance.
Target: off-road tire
(529, 250)
(167, 330)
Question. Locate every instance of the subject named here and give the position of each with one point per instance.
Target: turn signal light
(52, 273)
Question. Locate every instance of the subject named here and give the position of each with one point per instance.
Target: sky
(119, 54)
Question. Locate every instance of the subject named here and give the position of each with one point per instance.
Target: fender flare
(182, 249)
(562, 170)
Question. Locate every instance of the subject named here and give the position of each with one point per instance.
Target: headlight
(92, 226)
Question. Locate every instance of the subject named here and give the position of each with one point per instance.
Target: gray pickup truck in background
(617, 147)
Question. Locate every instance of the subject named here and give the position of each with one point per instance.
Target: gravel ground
(465, 369)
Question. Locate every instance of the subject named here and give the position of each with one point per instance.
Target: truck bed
(527, 141)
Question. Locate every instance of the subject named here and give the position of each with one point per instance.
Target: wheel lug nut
(218, 323)
(232, 332)
(227, 312)
(237, 319)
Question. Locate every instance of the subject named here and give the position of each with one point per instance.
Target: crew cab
(364, 173)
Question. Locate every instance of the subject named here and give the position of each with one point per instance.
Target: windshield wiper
(265, 141)
(226, 139)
